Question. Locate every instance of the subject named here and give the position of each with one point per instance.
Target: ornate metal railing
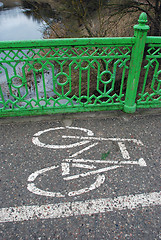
(71, 75)
(149, 92)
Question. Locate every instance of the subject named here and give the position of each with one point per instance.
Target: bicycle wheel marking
(34, 175)
(37, 142)
(99, 181)
(90, 165)
(65, 171)
(32, 188)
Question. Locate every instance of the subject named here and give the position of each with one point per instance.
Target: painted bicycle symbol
(90, 165)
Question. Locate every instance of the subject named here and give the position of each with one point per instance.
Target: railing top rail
(153, 40)
(116, 41)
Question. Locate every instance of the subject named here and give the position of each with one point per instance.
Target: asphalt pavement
(81, 176)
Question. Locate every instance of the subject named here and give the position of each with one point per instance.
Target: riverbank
(99, 23)
(70, 26)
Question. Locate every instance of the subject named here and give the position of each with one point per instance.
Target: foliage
(84, 10)
(151, 7)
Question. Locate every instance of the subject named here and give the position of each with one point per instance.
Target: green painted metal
(68, 78)
(45, 43)
(75, 75)
(149, 94)
(135, 63)
(153, 40)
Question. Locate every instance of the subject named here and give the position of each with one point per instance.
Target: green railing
(85, 74)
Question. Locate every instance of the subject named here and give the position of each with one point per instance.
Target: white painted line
(80, 165)
(47, 130)
(89, 132)
(91, 172)
(65, 168)
(34, 175)
(138, 142)
(32, 188)
(36, 141)
(123, 150)
(99, 181)
(90, 161)
(141, 162)
(83, 150)
(69, 209)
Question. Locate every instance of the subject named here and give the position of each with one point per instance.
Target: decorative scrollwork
(150, 90)
(63, 77)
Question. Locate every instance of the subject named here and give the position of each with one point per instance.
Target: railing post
(140, 33)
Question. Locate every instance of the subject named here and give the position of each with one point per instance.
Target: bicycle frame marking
(83, 150)
(141, 162)
(89, 164)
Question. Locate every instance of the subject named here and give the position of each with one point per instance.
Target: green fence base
(130, 109)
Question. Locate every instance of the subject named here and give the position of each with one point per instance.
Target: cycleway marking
(68, 209)
(78, 163)
(141, 162)
(37, 142)
(73, 162)
(86, 140)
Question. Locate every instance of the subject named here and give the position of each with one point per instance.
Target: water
(22, 21)
(19, 21)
